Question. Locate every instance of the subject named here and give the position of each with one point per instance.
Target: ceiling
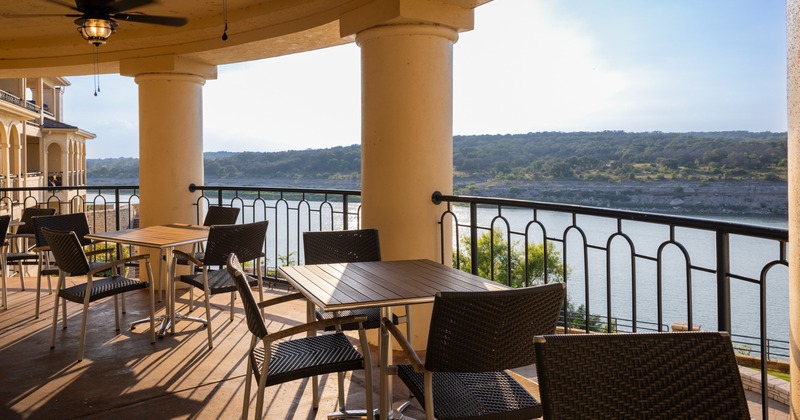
(32, 46)
(50, 45)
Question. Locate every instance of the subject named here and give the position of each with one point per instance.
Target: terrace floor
(123, 376)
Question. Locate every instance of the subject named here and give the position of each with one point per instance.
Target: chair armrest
(189, 257)
(315, 326)
(116, 263)
(412, 355)
(280, 299)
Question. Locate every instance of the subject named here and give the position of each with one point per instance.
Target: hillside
(720, 172)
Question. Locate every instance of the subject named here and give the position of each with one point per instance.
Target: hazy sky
(528, 66)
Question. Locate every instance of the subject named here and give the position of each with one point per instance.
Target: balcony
(628, 271)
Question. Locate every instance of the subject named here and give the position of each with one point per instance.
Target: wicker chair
(71, 260)
(347, 246)
(72, 222)
(216, 215)
(22, 242)
(273, 362)
(474, 337)
(246, 241)
(689, 375)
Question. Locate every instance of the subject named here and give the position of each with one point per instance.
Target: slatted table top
(336, 287)
(161, 236)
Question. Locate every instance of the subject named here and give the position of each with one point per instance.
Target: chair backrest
(492, 330)
(217, 215)
(27, 218)
(245, 240)
(341, 246)
(4, 222)
(67, 251)
(642, 375)
(255, 323)
(75, 222)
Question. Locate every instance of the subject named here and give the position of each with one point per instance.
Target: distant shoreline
(721, 198)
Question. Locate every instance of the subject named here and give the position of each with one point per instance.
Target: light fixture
(96, 30)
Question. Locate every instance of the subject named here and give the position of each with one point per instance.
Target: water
(748, 256)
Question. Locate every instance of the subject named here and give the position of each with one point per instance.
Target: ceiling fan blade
(35, 15)
(123, 5)
(156, 20)
(63, 4)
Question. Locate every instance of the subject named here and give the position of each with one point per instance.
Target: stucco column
(406, 139)
(170, 146)
(793, 90)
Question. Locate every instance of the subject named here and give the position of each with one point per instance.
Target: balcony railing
(630, 271)
(625, 271)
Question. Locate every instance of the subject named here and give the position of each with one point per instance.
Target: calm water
(748, 256)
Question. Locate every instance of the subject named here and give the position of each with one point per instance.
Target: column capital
(167, 64)
(454, 14)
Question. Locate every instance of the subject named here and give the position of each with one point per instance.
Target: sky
(528, 66)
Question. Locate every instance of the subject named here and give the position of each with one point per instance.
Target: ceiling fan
(97, 19)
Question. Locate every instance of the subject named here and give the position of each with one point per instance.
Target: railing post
(723, 282)
(345, 213)
(473, 236)
(116, 206)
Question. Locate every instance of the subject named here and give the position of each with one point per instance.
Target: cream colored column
(170, 146)
(793, 90)
(406, 140)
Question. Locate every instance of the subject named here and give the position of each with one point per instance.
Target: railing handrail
(766, 232)
(193, 188)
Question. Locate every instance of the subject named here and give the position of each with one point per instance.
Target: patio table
(379, 284)
(165, 238)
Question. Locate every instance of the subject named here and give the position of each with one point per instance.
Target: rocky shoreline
(671, 197)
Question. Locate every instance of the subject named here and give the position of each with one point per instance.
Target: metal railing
(599, 252)
(290, 212)
(650, 269)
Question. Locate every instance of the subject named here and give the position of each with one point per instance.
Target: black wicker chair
(273, 362)
(688, 375)
(244, 240)
(71, 260)
(216, 215)
(347, 246)
(22, 244)
(474, 337)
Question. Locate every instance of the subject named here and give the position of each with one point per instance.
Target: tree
(493, 246)
(535, 270)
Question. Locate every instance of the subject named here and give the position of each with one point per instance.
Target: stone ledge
(777, 389)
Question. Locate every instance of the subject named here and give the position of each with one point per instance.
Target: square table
(379, 284)
(165, 238)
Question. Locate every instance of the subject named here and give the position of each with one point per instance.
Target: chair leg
(38, 286)
(55, 312)
(151, 288)
(5, 289)
(262, 383)
(340, 380)
(207, 292)
(362, 335)
(248, 380)
(116, 312)
(21, 277)
(83, 325)
(260, 284)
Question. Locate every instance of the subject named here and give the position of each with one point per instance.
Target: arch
(55, 164)
(15, 151)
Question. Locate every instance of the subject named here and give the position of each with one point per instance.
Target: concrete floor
(124, 376)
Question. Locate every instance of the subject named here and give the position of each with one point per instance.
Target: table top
(336, 287)
(161, 236)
